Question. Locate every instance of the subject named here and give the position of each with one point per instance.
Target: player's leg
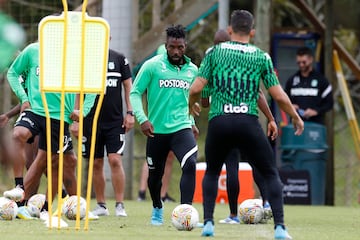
(143, 182)
(232, 186)
(157, 149)
(115, 145)
(264, 162)
(184, 146)
(217, 147)
(166, 178)
(25, 128)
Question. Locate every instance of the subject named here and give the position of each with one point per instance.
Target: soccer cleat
(281, 233)
(208, 230)
(55, 222)
(167, 198)
(199, 225)
(267, 211)
(44, 215)
(120, 210)
(230, 220)
(23, 213)
(100, 211)
(92, 216)
(17, 194)
(157, 216)
(62, 203)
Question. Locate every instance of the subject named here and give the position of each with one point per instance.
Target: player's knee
(190, 165)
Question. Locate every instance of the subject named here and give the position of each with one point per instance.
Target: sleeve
(205, 93)
(88, 103)
(327, 100)
(205, 67)
(125, 68)
(16, 69)
(268, 75)
(140, 85)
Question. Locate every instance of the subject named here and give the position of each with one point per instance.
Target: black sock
(64, 193)
(142, 194)
(19, 182)
(45, 206)
(101, 204)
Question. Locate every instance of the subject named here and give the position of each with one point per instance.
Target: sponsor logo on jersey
(304, 92)
(112, 82)
(314, 82)
(174, 83)
(111, 65)
(37, 71)
(242, 108)
(243, 48)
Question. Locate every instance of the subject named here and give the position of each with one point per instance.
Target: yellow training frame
(73, 59)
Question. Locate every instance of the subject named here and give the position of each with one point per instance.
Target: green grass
(303, 222)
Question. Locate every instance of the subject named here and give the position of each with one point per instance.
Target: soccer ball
(69, 207)
(8, 209)
(184, 217)
(35, 204)
(251, 211)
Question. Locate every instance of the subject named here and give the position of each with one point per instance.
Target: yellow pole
(347, 102)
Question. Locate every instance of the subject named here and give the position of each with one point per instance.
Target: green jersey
(167, 89)
(12, 38)
(234, 71)
(26, 67)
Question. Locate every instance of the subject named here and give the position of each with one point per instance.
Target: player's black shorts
(37, 126)
(110, 136)
(182, 143)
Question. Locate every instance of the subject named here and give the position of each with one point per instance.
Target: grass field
(303, 222)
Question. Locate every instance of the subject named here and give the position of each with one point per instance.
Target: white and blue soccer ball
(35, 204)
(69, 207)
(8, 209)
(184, 217)
(251, 211)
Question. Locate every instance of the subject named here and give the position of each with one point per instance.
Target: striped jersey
(234, 71)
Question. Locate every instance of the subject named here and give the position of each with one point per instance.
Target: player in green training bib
(233, 71)
(167, 79)
(32, 122)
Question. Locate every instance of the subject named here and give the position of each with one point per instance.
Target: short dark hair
(304, 51)
(242, 21)
(176, 31)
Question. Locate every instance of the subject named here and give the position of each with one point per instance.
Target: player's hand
(147, 128)
(195, 109)
(272, 130)
(75, 115)
(129, 122)
(309, 112)
(195, 131)
(298, 124)
(3, 120)
(24, 106)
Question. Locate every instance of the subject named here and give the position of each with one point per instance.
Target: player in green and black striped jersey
(233, 71)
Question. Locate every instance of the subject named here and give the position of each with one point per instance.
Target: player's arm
(194, 95)
(4, 118)
(16, 69)
(129, 118)
(272, 130)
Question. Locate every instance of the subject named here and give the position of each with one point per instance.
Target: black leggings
(183, 144)
(243, 132)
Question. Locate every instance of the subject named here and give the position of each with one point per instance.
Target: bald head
(221, 36)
